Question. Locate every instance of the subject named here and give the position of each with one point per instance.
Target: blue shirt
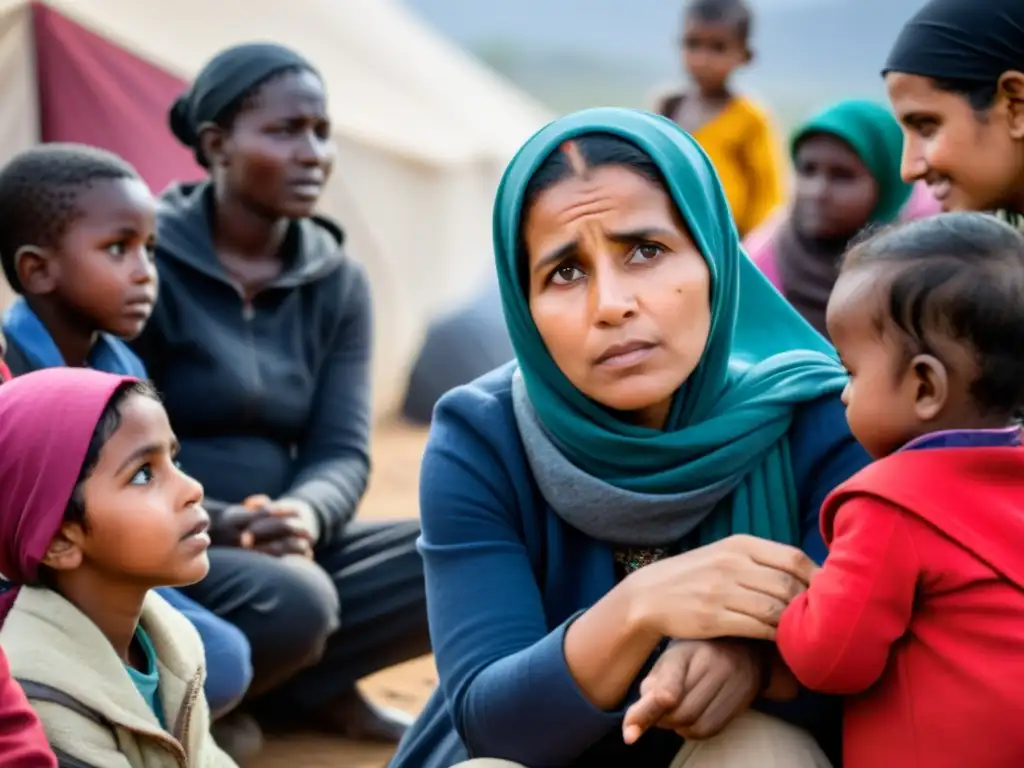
(23, 327)
(148, 683)
(505, 576)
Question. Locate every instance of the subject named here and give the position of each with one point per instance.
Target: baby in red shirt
(917, 615)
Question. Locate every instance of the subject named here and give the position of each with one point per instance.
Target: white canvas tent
(423, 130)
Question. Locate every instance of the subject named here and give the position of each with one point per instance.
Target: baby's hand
(696, 688)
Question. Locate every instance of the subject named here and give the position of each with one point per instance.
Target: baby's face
(106, 270)
(879, 397)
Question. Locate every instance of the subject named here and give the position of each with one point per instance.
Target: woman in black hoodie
(260, 344)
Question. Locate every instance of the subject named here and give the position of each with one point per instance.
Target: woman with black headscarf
(260, 344)
(955, 78)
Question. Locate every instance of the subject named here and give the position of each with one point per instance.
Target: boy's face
(144, 523)
(712, 51)
(879, 399)
(103, 269)
(835, 192)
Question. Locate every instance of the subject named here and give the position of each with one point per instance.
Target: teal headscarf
(875, 136)
(730, 419)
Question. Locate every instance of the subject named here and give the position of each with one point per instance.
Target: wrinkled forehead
(686, 174)
(607, 203)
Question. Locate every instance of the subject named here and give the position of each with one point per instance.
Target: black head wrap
(227, 77)
(968, 40)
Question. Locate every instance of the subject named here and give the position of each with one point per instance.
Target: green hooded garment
(876, 138)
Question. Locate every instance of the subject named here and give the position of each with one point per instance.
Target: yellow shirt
(743, 146)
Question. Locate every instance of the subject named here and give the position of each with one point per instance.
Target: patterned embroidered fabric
(1015, 220)
(629, 559)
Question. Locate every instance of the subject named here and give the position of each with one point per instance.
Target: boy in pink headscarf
(95, 514)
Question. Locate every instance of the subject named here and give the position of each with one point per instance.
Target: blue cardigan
(505, 576)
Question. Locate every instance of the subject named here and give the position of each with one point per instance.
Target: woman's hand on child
(696, 688)
(735, 587)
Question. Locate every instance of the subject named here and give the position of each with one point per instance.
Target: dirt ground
(393, 493)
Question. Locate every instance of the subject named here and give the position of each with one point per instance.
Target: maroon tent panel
(94, 92)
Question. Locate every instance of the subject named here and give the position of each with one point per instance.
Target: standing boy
(736, 132)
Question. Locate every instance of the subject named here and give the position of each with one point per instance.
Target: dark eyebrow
(912, 118)
(124, 231)
(630, 237)
(145, 451)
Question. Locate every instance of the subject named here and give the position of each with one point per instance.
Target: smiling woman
(650, 467)
(955, 77)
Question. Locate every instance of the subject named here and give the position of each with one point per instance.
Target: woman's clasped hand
(263, 525)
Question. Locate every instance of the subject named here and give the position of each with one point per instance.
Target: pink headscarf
(47, 419)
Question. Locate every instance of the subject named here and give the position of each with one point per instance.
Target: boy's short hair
(723, 11)
(960, 276)
(39, 192)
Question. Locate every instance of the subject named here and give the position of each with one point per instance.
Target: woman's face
(970, 162)
(279, 152)
(835, 191)
(618, 290)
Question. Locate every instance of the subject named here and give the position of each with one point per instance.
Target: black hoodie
(270, 395)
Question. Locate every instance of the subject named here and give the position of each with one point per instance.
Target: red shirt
(23, 743)
(22, 740)
(917, 615)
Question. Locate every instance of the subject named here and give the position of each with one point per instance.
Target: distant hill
(576, 52)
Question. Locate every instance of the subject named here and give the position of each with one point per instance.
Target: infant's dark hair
(735, 12)
(39, 192)
(107, 425)
(961, 276)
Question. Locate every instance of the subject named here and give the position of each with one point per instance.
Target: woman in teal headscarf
(847, 162)
(650, 467)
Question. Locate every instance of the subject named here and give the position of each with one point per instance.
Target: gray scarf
(598, 509)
